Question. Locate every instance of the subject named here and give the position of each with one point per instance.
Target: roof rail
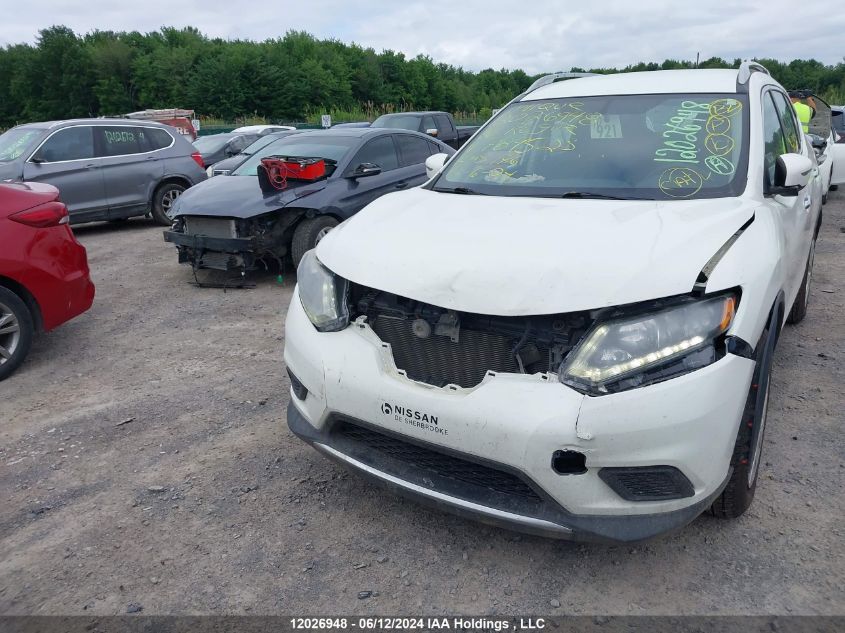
(747, 68)
(545, 80)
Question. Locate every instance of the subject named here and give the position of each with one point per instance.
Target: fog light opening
(569, 463)
(299, 390)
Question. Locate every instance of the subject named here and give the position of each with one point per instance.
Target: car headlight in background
(634, 351)
(323, 294)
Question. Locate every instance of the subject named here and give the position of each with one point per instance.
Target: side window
(434, 148)
(157, 138)
(72, 143)
(240, 142)
(444, 123)
(120, 140)
(790, 125)
(772, 138)
(414, 150)
(380, 151)
(428, 123)
(838, 121)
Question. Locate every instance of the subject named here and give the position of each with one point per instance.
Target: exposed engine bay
(444, 347)
(233, 244)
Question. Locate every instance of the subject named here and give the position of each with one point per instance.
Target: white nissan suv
(569, 329)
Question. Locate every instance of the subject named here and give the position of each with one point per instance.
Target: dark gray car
(228, 165)
(216, 147)
(104, 169)
(235, 223)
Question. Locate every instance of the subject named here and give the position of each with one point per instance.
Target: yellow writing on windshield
(699, 132)
(541, 128)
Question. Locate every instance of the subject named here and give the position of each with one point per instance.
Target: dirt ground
(144, 461)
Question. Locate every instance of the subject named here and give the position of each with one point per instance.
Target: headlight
(323, 294)
(630, 352)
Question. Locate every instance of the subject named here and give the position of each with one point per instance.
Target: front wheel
(802, 299)
(308, 234)
(748, 449)
(163, 201)
(16, 330)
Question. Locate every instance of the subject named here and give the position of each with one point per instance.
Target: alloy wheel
(10, 333)
(169, 198)
(810, 272)
(322, 233)
(757, 437)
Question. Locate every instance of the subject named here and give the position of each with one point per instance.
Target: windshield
(263, 142)
(17, 141)
(334, 149)
(398, 123)
(210, 144)
(656, 147)
(253, 147)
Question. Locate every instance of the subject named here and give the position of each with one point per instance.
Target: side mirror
(432, 131)
(365, 169)
(434, 163)
(230, 150)
(792, 173)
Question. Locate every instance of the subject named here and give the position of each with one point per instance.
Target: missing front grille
(443, 347)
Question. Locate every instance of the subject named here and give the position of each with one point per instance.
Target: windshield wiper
(596, 196)
(462, 190)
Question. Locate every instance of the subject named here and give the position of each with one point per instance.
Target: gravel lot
(144, 460)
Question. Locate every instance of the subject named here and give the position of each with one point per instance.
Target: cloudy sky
(541, 35)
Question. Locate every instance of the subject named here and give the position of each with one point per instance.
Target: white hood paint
(524, 256)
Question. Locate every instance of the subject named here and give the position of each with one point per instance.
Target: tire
(748, 449)
(802, 299)
(308, 233)
(163, 200)
(16, 329)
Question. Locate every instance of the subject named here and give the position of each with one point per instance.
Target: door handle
(401, 185)
(807, 202)
(91, 166)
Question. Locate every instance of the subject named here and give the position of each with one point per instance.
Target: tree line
(290, 78)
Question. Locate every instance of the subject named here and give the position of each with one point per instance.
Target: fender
(754, 263)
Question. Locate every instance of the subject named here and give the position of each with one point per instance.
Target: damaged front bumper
(350, 402)
(540, 517)
(220, 253)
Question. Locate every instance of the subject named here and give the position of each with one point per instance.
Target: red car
(43, 269)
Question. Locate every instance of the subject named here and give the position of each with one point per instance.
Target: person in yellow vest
(804, 105)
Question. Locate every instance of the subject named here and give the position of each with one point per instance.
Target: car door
(361, 191)
(836, 153)
(131, 169)
(780, 135)
(413, 150)
(66, 159)
(447, 130)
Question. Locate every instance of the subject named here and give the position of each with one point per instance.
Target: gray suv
(105, 169)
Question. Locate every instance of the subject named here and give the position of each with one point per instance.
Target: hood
(11, 170)
(525, 256)
(229, 163)
(239, 197)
